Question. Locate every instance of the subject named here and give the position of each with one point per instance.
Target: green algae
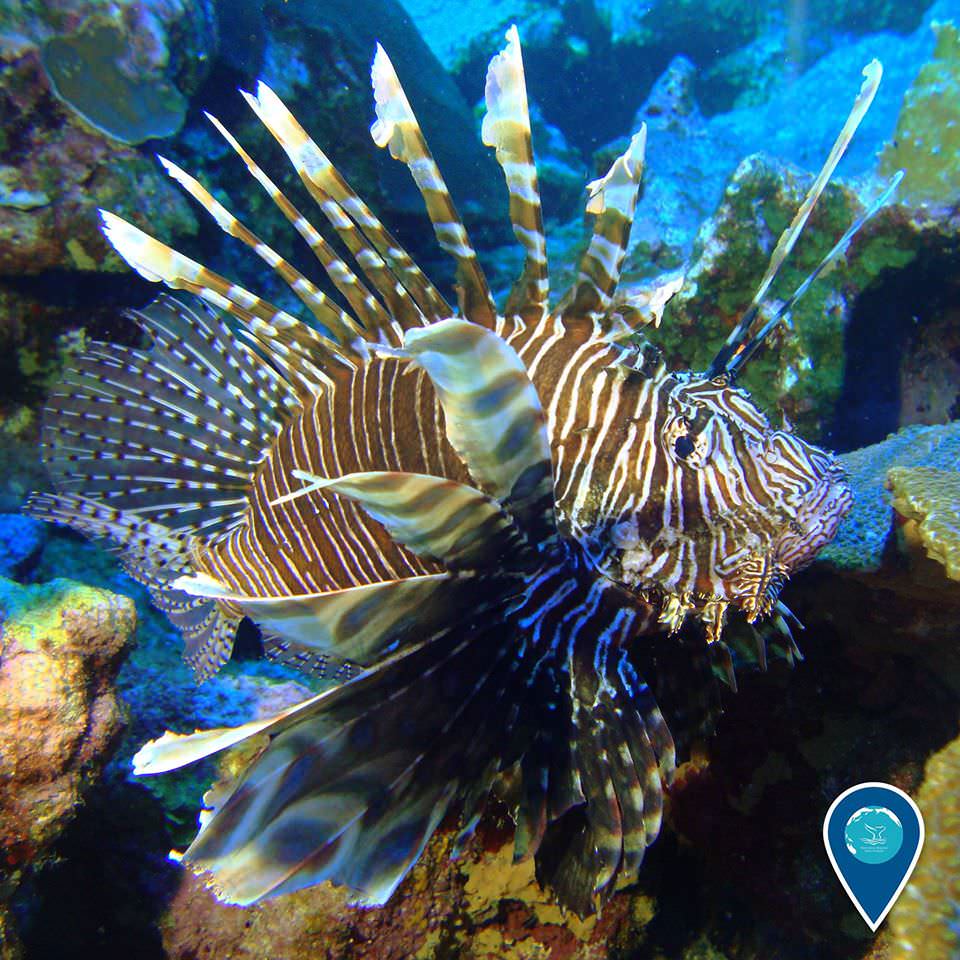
(926, 142)
(801, 370)
(90, 71)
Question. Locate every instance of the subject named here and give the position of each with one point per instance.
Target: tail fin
(173, 434)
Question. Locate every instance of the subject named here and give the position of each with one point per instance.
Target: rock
(671, 104)
(56, 169)
(125, 68)
(702, 31)
(79, 81)
(60, 649)
(478, 26)
(10, 946)
(691, 157)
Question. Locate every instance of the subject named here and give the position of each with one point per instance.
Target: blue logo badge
(873, 833)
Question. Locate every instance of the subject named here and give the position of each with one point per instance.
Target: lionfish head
(738, 507)
(727, 507)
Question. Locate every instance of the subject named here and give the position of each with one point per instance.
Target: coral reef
(925, 921)
(67, 171)
(863, 535)
(481, 906)
(929, 501)
(64, 61)
(879, 687)
(926, 142)
(60, 649)
(84, 72)
(56, 170)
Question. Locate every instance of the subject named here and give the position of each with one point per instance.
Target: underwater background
(742, 102)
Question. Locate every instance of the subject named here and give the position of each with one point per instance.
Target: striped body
(482, 525)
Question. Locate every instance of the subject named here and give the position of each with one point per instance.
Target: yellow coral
(931, 498)
(924, 922)
(926, 142)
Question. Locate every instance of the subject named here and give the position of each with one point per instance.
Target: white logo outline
(873, 925)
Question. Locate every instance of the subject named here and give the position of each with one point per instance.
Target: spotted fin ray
(152, 450)
(154, 555)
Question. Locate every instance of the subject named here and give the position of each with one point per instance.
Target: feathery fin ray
(432, 516)
(357, 624)
(493, 418)
(335, 319)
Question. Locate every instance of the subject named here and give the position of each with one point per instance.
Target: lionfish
(477, 522)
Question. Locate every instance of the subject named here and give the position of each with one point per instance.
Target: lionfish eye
(683, 446)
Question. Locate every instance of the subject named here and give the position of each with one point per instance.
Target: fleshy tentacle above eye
(748, 333)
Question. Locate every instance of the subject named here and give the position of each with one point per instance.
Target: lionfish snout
(802, 495)
(818, 515)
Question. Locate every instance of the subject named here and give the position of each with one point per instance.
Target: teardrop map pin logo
(873, 833)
